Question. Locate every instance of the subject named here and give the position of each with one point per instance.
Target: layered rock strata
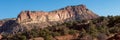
(79, 12)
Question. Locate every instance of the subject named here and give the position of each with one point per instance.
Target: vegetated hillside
(69, 23)
(101, 28)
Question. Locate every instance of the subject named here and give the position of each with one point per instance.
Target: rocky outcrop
(115, 37)
(79, 12)
(28, 20)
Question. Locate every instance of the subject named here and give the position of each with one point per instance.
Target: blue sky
(11, 8)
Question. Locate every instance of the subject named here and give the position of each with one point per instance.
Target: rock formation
(79, 12)
(28, 20)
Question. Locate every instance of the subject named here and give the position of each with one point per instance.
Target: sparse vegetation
(105, 25)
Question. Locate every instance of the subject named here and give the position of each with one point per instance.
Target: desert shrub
(31, 34)
(92, 30)
(55, 34)
(44, 32)
(103, 29)
(72, 32)
(48, 37)
(64, 31)
(5, 37)
(114, 29)
(34, 34)
(23, 37)
(18, 37)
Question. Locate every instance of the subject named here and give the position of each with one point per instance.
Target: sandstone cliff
(79, 12)
(28, 20)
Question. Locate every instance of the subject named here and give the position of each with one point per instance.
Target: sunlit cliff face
(78, 12)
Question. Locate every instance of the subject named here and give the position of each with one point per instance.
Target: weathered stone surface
(67, 37)
(85, 37)
(0, 37)
(115, 37)
(38, 38)
(79, 12)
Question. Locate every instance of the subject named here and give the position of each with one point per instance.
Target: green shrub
(114, 29)
(44, 33)
(92, 30)
(48, 37)
(23, 37)
(72, 32)
(55, 34)
(103, 29)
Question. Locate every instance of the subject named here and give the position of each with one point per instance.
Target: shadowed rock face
(79, 12)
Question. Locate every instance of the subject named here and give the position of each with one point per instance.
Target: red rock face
(1, 23)
(0, 37)
(78, 12)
